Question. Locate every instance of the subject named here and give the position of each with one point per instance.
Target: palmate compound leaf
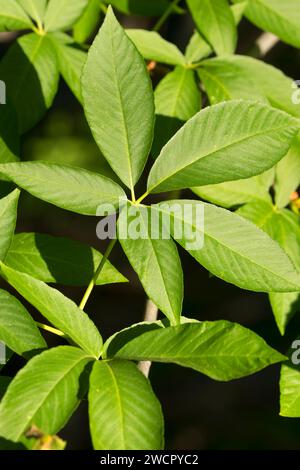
(153, 47)
(118, 101)
(278, 17)
(155, 261)
(71, 61)
(230, 247)
(221, 143)
(59, 260)
(17, 329)
(283, 226)
(290, 383)
(62, 312)
(124, 412)
(216, 23)
(221, 349)
(12, 16)
(45, 393)
(68, 187)
(8, 217)
(30, 72)
(62, 14)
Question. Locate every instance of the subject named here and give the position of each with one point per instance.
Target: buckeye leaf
(177, 95)
(87, 24)
(283, 226)
(68, 187)
(233, 249)
(62, 312)
(30, 72)
(153, 47)
(51, 259)
(118, 101)
(45, 393)
(215, 21)
(35, 8)
(8, 217)
(290, 384)
(141, 7)
(17, 329)
(228, 77)
(12, 16)
(62, 14)
(222, 350)
(156, 261)
(224, 142)
(71, 61)
(124, 412)
(234, 193)
(280, 18)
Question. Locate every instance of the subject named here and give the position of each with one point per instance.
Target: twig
(151, 315)
(266, 42)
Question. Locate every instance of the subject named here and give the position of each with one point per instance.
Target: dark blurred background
(199, 413)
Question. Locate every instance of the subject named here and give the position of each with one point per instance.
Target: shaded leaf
(62, 312)
(45, 393)
(124, 412)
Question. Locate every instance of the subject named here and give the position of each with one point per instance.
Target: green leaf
(60, 184)
(124, 412)
(140, 7)
(198, 48)
(62, 14)
(45, 393)
(288, 174)
(277, 17)
(118, 101)
(9, 136)
(87, 24)
(178, 95)
(8, 217)
(13, 17)
(234, 249)
(224, 79)
(62, 312)
(71, 61)
(17, 329)
(35, 8)
(156, 261)
(222, 350)
(234, 193)
(213, 147)
(283, 226)
(30, 72)
(230, 75)
(215, 21)
(153, 47)
(290, 384)
(52, 259)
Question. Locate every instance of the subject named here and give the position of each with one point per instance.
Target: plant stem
(165, 15)
(51, 330)
(151, 315)
(97, 274)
